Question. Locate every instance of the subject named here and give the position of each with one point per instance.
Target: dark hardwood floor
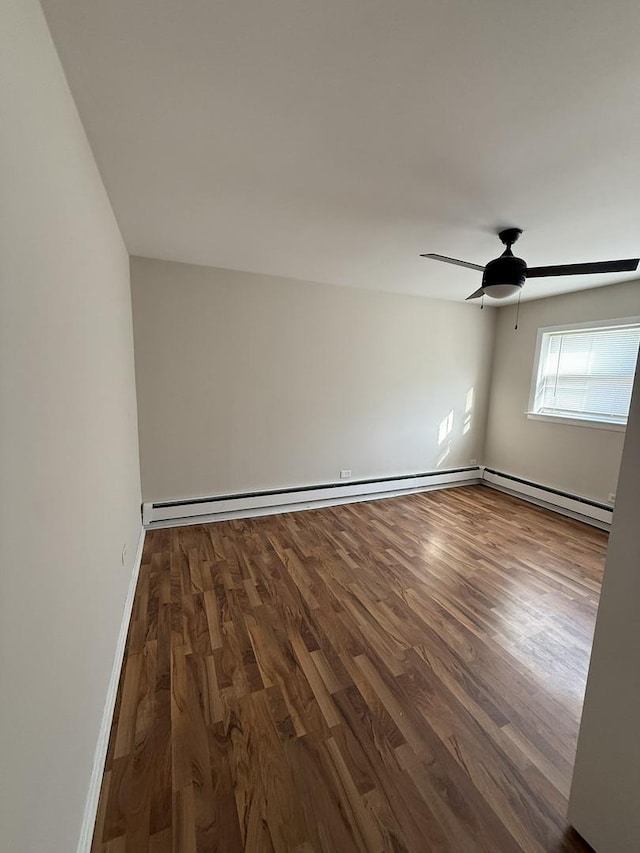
(399, 675)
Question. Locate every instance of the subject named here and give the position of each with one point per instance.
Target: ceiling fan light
(501, 291)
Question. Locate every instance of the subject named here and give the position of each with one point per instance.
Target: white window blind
(587, 373)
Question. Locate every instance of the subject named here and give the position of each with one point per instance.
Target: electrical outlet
(124, 554)
(612, 497)
(345, 473)
(473, 462)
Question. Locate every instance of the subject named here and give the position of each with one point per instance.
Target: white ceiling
(336, 140)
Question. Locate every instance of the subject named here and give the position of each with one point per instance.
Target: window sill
(583, 422)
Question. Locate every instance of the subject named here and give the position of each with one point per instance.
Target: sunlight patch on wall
(446, 427)
(468, 408)
(443, 456)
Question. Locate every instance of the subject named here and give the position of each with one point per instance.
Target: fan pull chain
(482, 302)
(518, 309)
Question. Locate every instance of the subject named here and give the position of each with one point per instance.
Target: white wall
(69, 472)
(578, 459)
(605, 796)
(252, 382)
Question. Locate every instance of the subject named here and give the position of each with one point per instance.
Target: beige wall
(578, 459)
(69, 475)
(605, 796)
(250, 382)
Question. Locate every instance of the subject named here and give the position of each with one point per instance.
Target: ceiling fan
(506, 275)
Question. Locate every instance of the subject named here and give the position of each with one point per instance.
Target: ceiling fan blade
(453, 261)
(476, 294)
(626, 265)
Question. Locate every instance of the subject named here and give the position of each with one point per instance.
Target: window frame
(568, 419)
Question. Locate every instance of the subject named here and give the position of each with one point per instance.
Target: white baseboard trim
(582, 509)
(223, 507)
(100, 755)
(203, 510)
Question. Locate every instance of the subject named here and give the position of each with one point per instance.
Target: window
(585, 373)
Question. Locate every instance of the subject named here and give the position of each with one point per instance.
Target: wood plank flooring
(399, 675)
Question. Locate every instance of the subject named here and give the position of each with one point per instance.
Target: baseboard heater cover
(220, 507)
(584, 509)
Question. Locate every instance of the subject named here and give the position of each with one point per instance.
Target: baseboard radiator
(221, 507)
(269, 502)
(574, 506)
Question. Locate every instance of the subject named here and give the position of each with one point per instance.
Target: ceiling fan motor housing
(504, 276)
